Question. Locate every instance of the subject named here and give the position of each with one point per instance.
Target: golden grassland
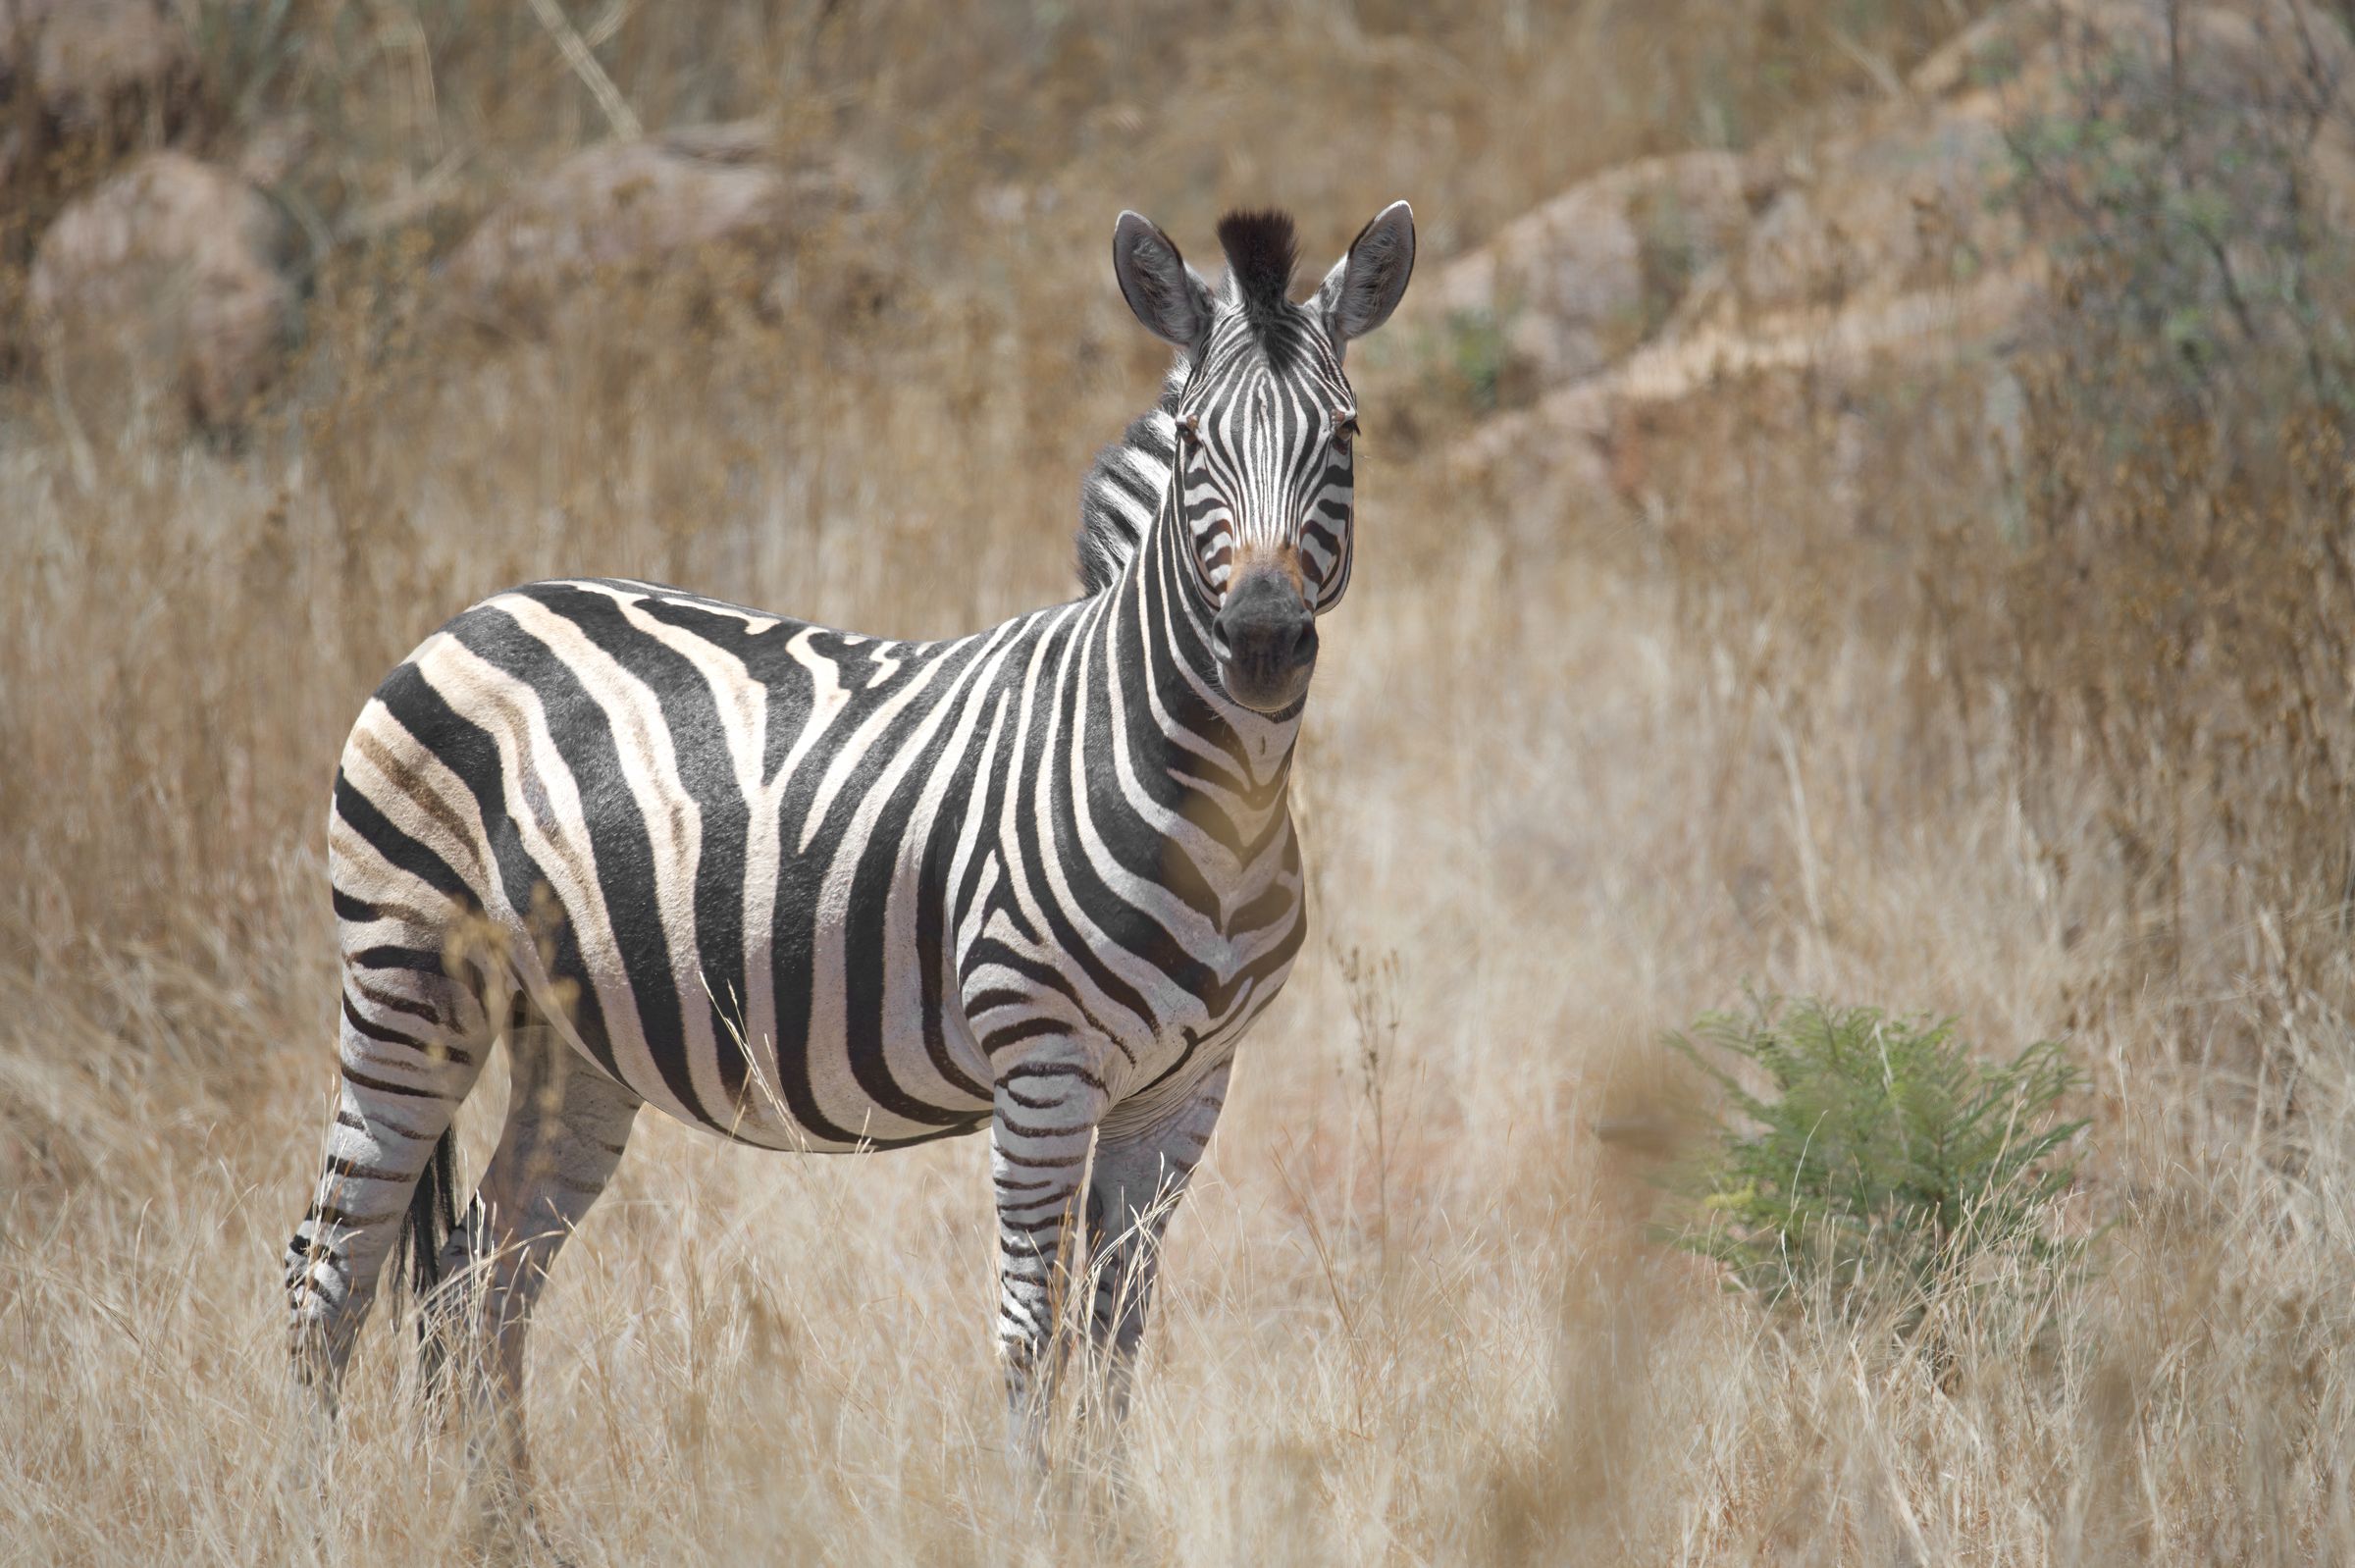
(1564, 784)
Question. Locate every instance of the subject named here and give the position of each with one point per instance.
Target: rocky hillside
(1834, 298)
(1911, 250)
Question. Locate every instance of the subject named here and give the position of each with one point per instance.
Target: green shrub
(1878, 1156)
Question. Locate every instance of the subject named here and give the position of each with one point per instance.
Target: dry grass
(1563, 786)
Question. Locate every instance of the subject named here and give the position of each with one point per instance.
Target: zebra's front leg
(1144, 1158)
(1046, 1110)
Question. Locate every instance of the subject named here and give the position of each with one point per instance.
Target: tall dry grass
(1562, 788)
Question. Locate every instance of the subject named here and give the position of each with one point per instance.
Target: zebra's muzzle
(1265, 637)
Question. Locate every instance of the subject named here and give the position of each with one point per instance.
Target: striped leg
(411, 1047)
(1046, 1109)
(567, 1125)
(1140, 1174)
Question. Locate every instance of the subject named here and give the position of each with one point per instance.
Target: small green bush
(1879, 1156)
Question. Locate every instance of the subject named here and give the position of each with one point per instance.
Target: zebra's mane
(1261, 253)
(1123, 486)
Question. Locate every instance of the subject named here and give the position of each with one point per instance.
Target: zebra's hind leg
(410, 1048)
(567, 1125)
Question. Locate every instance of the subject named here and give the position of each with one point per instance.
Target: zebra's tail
(433, 1216)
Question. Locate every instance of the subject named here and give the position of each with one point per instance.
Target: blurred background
(1856, 505)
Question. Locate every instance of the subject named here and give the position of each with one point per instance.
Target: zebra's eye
(1344, 428)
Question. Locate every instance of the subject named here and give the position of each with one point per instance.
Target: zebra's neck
(1175, 711)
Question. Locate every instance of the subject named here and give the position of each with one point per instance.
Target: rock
(167, 280)
(1583, 278)
(1879, 213)
(629, 207)
(90, 61)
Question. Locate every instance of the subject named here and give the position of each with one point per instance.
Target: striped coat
(817, 891)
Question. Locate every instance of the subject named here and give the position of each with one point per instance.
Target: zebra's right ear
(1169, 296)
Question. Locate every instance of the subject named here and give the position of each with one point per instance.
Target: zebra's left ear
(1366, 285)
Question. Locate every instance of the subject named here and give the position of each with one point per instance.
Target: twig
(1884, 75)
(618, 113)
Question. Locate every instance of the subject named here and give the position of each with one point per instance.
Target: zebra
(817, 891)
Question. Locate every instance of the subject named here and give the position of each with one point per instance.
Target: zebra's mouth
(1275, 698)
(1265, 640)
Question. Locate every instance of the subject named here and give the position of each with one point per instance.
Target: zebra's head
(1266, 424)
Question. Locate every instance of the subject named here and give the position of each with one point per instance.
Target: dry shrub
(2170, 616)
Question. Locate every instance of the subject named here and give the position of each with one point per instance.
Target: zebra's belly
(838, 1046)
(836, 1082)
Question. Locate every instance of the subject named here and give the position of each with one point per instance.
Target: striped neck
(1236, 762)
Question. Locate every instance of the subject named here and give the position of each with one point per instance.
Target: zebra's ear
(1169, 296)
(1366, 285)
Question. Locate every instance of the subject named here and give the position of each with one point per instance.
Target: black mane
(1261, 253)
(1123, 487)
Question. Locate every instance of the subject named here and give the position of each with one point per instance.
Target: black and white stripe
(818, 891)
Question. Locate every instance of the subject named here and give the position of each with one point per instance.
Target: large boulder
(168, 287)
(91, 64)
(638, 207)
